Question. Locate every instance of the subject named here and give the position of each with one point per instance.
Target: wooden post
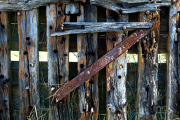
(58, 61)
(173, 83)
(147, 86)
(87, 54)
(29, 64)
(4, 66)
(116, 72)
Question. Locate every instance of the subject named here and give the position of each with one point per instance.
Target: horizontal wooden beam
(100, 64)
(16, 6)
(132, 1)
(115, 6)
(93, 27)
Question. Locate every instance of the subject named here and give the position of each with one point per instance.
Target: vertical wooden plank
(148, 69)
(29, 64)
(87, 54)
(4, 66)
(116, 72)
(58, 61)
(173, 83)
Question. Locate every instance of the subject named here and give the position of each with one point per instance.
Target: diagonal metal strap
(100, 63)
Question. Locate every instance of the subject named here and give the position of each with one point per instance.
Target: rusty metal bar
(100, 63)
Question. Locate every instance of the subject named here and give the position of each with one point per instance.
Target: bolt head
(18, 13)
(147, 12)
(88, 72)
(124, 27)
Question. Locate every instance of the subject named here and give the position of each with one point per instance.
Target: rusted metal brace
(100, 63)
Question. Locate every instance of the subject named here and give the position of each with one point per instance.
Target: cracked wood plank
(58, 64)
(93, 27)
(100, 63)
(148, 69)
(87, 54)
(116, 73)
(173, 88)
(4, 66)
(115, 6)
(29, 4)
(28, 64)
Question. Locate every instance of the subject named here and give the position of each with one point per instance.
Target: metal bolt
(124, 27)
(53, 88)
(92, 109)
(147, 12)
(88, 72)
(178, 30)
(31, 64)
(18, 13)
(27, 88)
(144, 41)
(62, 27)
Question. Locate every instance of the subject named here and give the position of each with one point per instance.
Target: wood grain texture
(29, 64)
(116, 72)
(148, 69)
(172, 92)
(58, 61)
(94, 27)
(4, 66)
(87, 54)
(115, 6)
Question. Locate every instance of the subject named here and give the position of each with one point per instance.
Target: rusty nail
(124, 27)
(18, 13)
(178, 30)
(88, 72)
(147, 12)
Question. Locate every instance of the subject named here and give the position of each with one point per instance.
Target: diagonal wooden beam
(100, 63)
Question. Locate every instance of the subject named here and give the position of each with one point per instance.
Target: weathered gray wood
(93, 27)
(113, 5)
(87, 54)
(116, 74)
(147, 86)
(4, 66)
(172, 92)
(72, 8)
(132, 1)
(58, 61)
(29, 64)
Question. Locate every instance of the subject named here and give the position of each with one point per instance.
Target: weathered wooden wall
(41, 29)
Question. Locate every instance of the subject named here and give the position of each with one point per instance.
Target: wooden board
(116, 72)
(58, 58)
(87, 54)
(147, 84)
(4, 66)
(29, 64)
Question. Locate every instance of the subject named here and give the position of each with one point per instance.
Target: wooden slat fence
(144, 90)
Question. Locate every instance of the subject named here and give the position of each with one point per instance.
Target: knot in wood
(111, 108)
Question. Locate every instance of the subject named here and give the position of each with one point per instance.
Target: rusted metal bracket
(100, 63)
